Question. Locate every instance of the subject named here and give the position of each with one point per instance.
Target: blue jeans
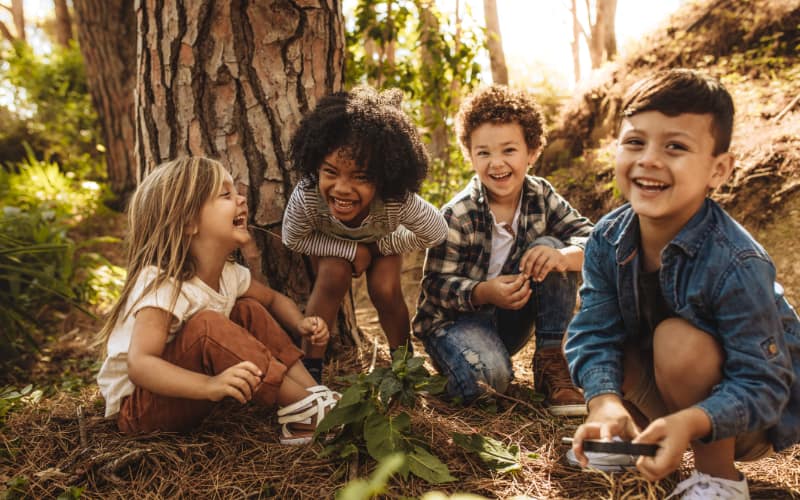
(477, 348)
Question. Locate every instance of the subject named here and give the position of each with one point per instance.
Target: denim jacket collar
(623, 233)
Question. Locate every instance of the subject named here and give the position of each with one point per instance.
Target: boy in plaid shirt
(510, 263)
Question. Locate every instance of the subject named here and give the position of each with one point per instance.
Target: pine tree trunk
(107, 36)
(494, 43)
(63, 23)
(18, 16)
(231, 81)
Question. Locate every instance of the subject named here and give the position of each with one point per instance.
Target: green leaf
(388, 388)
(385, 435)
(364, 489)
(426, 466)
(492, 452)
(343, 415)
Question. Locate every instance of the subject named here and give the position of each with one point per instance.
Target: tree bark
(18, 16)
(107, 36)
(231, 81)
(610, 30)
(576, 41)
(494, 43)
(63, 23)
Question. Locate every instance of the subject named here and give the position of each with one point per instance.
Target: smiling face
(346, 188)
(223, 218)
(501, 159)
(665, 165)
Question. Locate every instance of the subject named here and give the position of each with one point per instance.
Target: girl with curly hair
(356, 207)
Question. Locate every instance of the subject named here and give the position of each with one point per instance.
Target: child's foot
(314, 367)
(299, 420)
(700, 486)
(551, 378)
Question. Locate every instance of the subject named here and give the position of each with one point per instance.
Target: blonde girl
(191, 327)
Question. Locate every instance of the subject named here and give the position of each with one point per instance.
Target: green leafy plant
(368, 417)
(492, 452)
(364, 489)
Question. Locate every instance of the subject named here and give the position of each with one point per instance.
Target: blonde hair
(165, 204)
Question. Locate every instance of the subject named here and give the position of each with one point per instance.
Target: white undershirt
(503, 236)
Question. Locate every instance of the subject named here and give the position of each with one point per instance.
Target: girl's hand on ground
(362, 260)
(238, 382)
(537, 262)
(607, 418)
(673, 438)
(315, 329)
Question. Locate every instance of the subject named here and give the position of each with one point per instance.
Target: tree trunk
(610, 30)
(18, 16)
(435, 127)
(576, 41)
(107, 36)
(63, 23)
(231, 81)
(494, 43)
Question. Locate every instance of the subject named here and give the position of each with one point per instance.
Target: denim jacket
(718, 278)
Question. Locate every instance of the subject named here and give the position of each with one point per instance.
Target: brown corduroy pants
(210, 343)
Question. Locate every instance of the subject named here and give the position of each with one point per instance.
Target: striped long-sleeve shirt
(396, 226)
(454, 268)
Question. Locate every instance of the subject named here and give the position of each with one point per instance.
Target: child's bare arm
(288, 314)
(148, 370)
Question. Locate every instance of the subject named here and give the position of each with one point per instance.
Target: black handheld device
(617, 447)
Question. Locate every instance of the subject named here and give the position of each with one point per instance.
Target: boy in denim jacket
(510, 262)
(683, 331)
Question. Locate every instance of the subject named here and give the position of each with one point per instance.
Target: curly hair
(499, 104)
(372, 129)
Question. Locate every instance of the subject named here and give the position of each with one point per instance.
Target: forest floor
(59, 443)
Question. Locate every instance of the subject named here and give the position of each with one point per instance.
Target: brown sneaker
(551, 378)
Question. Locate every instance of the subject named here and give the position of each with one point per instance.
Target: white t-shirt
(503, 237)
(194, 296)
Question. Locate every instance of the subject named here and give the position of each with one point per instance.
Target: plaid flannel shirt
(453, 268)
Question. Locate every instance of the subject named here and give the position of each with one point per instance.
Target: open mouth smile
(500, 177)
(240, 220)
(650, 185)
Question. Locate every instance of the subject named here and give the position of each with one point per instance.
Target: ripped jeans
(477, 348)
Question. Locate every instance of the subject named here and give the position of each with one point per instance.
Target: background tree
(601, 36)
(17, 11)
(107, 36)
(494, 42)
(63, 23)
(231, 80)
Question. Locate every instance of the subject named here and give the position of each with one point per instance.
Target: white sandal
(309, 410)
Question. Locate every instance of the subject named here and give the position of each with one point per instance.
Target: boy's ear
(721, 170)
(533, 154)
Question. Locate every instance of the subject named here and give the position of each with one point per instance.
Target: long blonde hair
(165, 204)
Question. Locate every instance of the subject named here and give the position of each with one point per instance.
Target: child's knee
(334, 275)
(385, 293)
(681, 350)
(208, 324)
(477, 373)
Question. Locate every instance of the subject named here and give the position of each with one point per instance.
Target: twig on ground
(82, 428)
(788, 108)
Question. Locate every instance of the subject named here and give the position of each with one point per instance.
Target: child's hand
(315, 329)
(508, 291)
(363, 259)
(607, 418)
(538, 261)
(673, 438)
(238, 381)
